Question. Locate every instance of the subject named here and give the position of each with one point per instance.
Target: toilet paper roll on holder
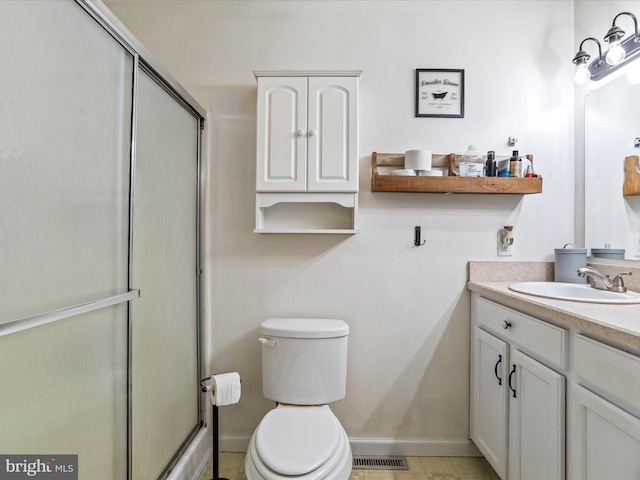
(208, 388)
(214, 434)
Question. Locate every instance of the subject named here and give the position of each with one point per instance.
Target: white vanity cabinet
(307, 152)
(518, 392)
(604, 423)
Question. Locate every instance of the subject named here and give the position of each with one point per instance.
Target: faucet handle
(618, 283)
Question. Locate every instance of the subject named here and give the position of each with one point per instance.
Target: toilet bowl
(305, 443)
(304, 366)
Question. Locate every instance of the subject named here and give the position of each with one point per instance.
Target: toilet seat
(304, 443)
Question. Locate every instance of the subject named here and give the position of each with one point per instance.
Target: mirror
(612, 124)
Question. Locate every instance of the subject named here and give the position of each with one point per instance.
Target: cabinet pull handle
(495, 370)
(506, 324)
(300, 132)
(510, 387)
(312, 132)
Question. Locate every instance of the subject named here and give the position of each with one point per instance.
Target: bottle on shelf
(515, 165)
(472, 163)
(490, 167)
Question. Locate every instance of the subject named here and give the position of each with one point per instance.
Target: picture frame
(439, 93)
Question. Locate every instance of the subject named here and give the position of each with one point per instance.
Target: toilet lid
(296, 440)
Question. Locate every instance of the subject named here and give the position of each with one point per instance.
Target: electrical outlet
(636, 245)
(504, 247)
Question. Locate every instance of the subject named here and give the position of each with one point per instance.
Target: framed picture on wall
(439, 93)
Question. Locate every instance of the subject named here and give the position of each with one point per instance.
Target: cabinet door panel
(332, 137)
(489, 399)
(281, 139)
(605, 440)
(536, 420)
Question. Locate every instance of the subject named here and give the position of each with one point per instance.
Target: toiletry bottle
(490, 169)
(518, 172)
(471, 156)
(515, 165)
(528, 174)
(502, 167)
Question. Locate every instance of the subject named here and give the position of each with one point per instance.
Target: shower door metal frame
(142, 59)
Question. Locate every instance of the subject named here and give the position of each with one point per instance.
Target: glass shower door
(164, 340)
(65, 109)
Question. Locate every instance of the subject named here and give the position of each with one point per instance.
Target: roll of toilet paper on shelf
(225, 388)
(417, 159)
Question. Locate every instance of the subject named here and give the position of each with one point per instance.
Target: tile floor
(420, 468)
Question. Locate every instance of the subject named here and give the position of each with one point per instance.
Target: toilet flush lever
(267, 341)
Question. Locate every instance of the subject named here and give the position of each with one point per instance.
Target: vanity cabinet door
(536, 419)
(605, 440)
(489, 398)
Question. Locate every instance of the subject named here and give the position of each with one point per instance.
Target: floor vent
(378, 462)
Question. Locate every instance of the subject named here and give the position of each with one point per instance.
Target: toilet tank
(304, 360)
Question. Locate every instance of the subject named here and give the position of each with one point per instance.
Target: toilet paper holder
(215, 462)
(208, 388)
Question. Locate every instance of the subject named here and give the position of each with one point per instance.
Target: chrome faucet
(602, 282)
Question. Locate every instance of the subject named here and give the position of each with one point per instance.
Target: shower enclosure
(100, 185)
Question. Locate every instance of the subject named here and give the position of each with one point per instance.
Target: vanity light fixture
(614, 36)
(581, 61)
(621, 52)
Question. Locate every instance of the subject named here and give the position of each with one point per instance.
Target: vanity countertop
(616, 323)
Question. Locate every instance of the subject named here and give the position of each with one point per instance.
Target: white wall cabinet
(517, 403)
(307, 152)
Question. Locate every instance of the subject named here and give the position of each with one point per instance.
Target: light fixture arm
(582, 54)
(635, 24)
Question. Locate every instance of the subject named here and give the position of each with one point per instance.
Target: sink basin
(575, 292)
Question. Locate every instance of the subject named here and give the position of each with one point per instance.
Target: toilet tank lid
(304, 327)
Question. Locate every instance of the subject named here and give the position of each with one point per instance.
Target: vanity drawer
(546, 341)
(608, 368)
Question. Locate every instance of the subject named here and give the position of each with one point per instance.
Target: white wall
(407, 307)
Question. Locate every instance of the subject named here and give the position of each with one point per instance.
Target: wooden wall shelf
(446, 184)
(631, 185)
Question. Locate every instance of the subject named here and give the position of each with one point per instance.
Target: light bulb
(583, 75)
(616, 53)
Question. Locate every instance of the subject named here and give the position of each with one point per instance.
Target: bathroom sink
(575, 292)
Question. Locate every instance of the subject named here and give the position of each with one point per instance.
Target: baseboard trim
(413, 448)
(384, 446)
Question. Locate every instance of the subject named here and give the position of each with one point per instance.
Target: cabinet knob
(300, 132)
(312, 132)
(506, 324)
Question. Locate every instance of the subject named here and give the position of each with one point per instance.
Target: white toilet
(304, 367)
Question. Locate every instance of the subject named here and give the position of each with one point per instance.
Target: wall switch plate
(636, 245)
